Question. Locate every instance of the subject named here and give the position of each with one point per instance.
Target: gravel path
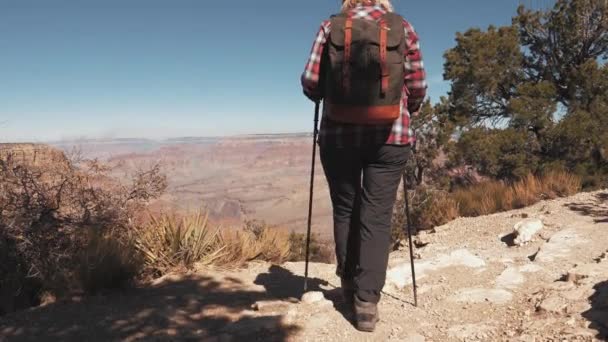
(473, 286)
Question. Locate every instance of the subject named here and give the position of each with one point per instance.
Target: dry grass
(495, 196)
(270, 245)
(445, 209)
(438, 209)
(560, 184)
(526, 192)
(483, 198)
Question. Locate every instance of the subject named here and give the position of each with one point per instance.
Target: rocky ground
(474, 284)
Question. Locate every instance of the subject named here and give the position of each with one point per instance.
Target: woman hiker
(366, 66)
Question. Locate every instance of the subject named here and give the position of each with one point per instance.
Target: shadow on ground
(281, 283)
(598, 314)
(195, 307)
(509, 239)
(596, 208)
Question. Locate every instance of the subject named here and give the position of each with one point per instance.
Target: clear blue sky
(164, 68)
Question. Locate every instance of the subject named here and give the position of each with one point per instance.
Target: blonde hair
(348, 4)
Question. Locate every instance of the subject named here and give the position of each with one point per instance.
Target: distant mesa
(38, 155)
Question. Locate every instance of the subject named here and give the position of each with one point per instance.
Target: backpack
(363, 82)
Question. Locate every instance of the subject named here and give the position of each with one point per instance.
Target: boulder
(558, 246)
(525, 230)
(313, 297)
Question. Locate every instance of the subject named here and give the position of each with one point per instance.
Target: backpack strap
(348, 39)
(383, 66)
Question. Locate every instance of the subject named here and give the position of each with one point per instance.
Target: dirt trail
(473, 286)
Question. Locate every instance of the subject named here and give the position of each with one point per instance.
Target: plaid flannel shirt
(414, 91)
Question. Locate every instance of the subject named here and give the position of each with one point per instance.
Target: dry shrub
(560, 184)
(169, 242)
(438, 210)
(266, 243)
(273, 245)
(241, 247)
(428, 208)
(17, 290)
(320, 251)
(108, 263)
(48, 201)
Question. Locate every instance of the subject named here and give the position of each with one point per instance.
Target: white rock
(581, 272)
(525, 230)
(553, 304)
(313, 297)
(509, 279)
(399, 274)
(558, 246)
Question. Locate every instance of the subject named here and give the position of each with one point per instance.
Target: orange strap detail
(348, 39)
(383, 66)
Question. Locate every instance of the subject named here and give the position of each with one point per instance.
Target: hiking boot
(366, 315)
(348, 290)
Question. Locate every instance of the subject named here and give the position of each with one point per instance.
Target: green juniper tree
(532, 96)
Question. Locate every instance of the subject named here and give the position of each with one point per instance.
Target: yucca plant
(168, 241)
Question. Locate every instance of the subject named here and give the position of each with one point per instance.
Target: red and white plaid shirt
(414, 91)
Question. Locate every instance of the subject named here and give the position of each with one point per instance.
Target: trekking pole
(312, 180)
(409, 234)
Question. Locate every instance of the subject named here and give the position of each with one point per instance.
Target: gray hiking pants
(363, 184)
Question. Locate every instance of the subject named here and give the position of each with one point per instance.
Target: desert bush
(46, 208)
